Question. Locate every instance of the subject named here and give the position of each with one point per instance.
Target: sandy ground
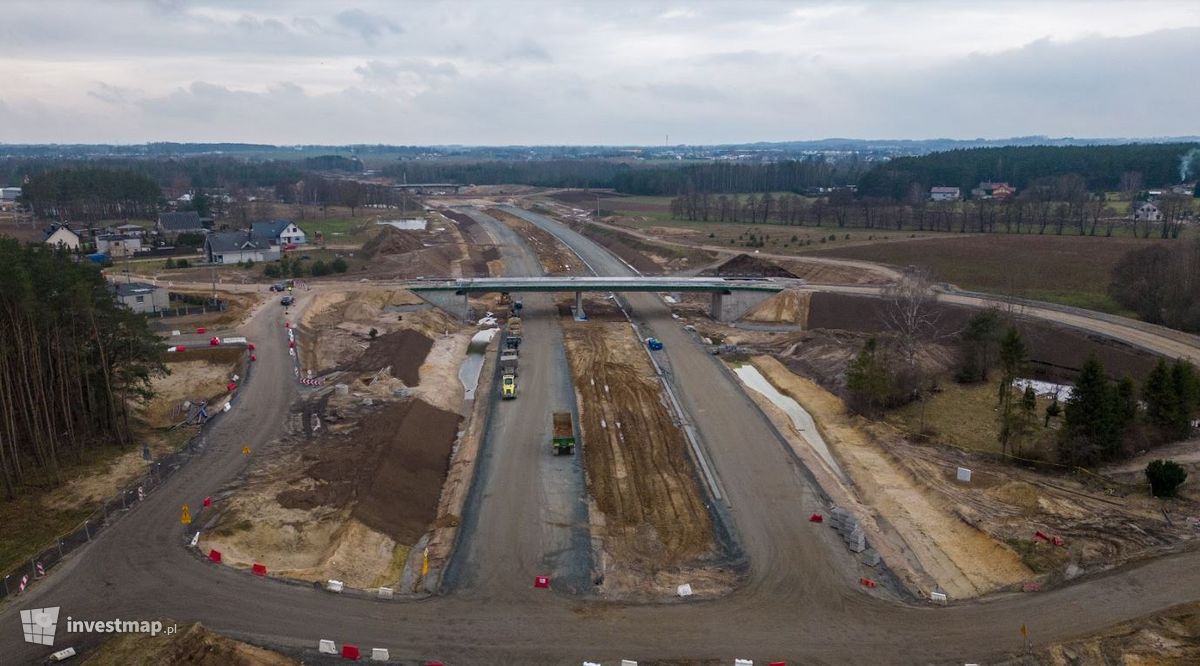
(787, 307)
(556, 258)
(650, 514)
(192, 644)
(1171, 638)
(962, 560)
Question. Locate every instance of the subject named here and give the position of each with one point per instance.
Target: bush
(183, 263)
(189, 240)
(271, 270)
(169, 263)
(1165, 477)
(319, 268)
(339, 265)
(372, 333)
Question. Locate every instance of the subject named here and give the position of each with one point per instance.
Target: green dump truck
(563, 439)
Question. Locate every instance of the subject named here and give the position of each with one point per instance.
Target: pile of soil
(787, 307)
(391, 240)
(744, 265)
(390, 468)
(404, 350)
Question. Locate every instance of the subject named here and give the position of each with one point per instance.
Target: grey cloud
(368, 26)
(378, 72)
(528, 50)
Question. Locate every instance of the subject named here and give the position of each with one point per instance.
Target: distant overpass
(427, 187)
(730, 298)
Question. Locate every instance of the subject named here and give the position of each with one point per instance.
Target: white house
(944, 194)
(61, 236)
(280, 233)
(1147, 212)
(231, 247)
(118, 245)
(142, 297)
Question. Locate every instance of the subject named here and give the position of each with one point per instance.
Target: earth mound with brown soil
(192, 644)
(390, 467)
(787, 307)
(391, 240)
(403, 350)
(744, 265)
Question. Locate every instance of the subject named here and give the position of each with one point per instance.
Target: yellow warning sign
(425, 563)
(186, 518)
(245, 450)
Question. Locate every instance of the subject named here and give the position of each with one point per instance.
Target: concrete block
(326, 647)
(380, 654)
(963, 475)
(335, 585)
(870, 557)
(385, 593)
(684, 590)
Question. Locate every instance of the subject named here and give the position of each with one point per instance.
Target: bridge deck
(551, 284)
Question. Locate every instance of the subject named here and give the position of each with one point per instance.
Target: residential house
(1147, 212)
(9, 193)
(944, 194)
(118, 245)
(280, 233)
(990, 190)
(142, 297)
(171, 225)
(231, 247)
(61, 236)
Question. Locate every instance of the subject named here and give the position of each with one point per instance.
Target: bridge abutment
(731, 305)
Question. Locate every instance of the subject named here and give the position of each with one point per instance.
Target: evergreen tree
(868, 380)
(1012, 358)
(979, 341)
(1090, 432)
(1186, 386)
(1159, 395)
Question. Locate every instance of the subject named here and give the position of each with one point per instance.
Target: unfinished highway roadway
(799, 602)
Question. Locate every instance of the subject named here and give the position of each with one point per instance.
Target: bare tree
(911, 317)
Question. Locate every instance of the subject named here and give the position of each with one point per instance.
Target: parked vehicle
(508, 374)
(287, 300)
(562, 441)
(654, 344)
(278, 286)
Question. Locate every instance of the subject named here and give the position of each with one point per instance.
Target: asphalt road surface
(798, 604)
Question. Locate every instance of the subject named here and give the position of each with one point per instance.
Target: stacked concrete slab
(847, 526)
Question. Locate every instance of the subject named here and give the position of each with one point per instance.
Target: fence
(187, 310)
(109, 512)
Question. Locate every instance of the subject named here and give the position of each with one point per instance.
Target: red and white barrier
(541, 582)
(258, 569)
(867, 582)
(24, 584)
(350, 652)
(207, 501)
(41, 569)
(214, 556)
(816, 518)
(334, 585)
(313, 382)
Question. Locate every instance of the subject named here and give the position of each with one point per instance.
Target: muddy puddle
(801, 419)
(468, 373)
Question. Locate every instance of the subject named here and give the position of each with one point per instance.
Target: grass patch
(965, 416)
(395, 568)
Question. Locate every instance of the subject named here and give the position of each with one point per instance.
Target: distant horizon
(829, 139)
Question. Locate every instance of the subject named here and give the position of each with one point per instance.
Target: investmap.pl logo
(38, 625)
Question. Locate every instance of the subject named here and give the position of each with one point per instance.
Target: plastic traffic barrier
(541, 582)
(816, 518)
(215, 556)
(326, 647)
(335, 585)
(350, 652)
(380, 654)
(200, 331)
(258, 569)
(207, 501)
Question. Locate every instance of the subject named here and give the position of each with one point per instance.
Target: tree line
(91, 194)
(72, 361)
(1104, 168)
(1161, 284)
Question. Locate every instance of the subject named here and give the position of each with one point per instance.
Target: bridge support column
(580, 315)
(731, 305)
(455, 304)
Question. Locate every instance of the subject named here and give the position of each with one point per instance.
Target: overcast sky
(510, 72)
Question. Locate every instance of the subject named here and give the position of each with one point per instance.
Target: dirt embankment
(648, 258)
(403, 351)
(193, 644)
(556, 258)
(917, 531)
(483, 258)
(655, 527)
(789, 306)
(1171, 638)
(744, 265)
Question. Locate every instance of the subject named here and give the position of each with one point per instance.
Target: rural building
(990, 190)
(944, 194)
(131, 230)
(280, 233)
(9, 193)
(187, 222)
(1147, 212)
(142, 297)
(118, 245)
(59, 235)
(231, 247)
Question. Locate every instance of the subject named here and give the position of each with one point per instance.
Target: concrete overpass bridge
(731, 298)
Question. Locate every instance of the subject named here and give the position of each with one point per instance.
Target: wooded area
(91, 194)
(1108, 168)
(1161, 284)
(71, 359)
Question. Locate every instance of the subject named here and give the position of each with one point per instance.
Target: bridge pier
(580, 315)
(731, 305)
(454, 303)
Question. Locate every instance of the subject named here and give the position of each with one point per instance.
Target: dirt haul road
(797, 606)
